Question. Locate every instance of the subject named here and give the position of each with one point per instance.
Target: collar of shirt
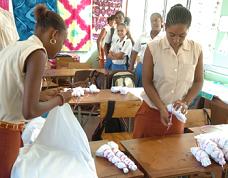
(165, 44)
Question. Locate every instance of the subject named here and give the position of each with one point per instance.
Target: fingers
(181, 105)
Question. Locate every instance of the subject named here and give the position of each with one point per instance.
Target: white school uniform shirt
(124, 46)
(115, 36)
(12, 77)
(8, 31)
(141, 44)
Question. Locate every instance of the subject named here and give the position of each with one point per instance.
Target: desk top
(103, 96)
(107, 169)
(167, 156)
(66, 72)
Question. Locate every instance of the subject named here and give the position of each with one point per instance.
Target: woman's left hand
(180, 104)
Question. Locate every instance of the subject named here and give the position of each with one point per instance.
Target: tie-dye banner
(77, 15)
(101, 10)
(24, 16)
(4, 4)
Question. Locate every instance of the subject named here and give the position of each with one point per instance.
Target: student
(21, 69)
(101, 37)
(172, 74)
(120, 49)
(112, 36)
(156, 22)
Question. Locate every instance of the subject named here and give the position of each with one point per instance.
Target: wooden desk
(103, 96)
(66, 72)
(167, 156)
(106, 169)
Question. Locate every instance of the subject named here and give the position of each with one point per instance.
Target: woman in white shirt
(21, 69)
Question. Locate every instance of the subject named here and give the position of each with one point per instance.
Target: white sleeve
(137, 46)
(108, 36)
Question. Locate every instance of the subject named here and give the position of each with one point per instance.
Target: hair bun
(40, 11)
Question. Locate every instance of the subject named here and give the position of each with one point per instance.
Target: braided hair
(178, 15)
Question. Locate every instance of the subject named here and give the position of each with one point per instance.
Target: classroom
(114, 89)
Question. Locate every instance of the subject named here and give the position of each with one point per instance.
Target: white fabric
(12, 77)
(122, 90)
(114, 36)
(181, 117)
(124, 46)
(32, 130)
(8, 30)
(61, 150)
(201, 156)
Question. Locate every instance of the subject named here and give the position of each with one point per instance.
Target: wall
(219, 58)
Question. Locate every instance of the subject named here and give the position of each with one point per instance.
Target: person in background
(172, 74)
(8, 30)
(127, 21)
(101, 37)
(112, 36)
(139, 47)
(120, 49)
(21, 69)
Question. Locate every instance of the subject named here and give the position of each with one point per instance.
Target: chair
(198, 117)
(122, 110)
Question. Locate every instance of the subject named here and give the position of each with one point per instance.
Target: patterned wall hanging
(101, 10)
(4, 4)
(77, 15)
(24, 15)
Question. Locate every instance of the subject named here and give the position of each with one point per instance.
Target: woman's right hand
(164, 115)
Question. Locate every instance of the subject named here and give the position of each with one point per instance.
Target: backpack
(121, 78)
(109, 124)
(85, 78)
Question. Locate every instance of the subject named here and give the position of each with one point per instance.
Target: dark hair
(178, 15)
(119, 12)
(123, 25)
(46, 18)
(156, 15)
(127, 21)
(112, 17)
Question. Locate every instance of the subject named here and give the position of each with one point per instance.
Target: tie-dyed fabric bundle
(24, 16)
(77, 16)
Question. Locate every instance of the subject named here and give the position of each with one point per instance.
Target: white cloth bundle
(92, 89)
(181, 117)
(122, 90)
(115, 148)
(61, 150)
(212, 149)
(219, 139)
(106, 152)
(201, 156)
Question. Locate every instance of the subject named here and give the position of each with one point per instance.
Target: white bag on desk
(60, 151)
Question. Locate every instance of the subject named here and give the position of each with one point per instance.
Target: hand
(164, 114)
(48, 94)
(179, 104)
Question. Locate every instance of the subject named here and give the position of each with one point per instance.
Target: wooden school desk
(167, 156)
(102, 98)
(106, 169)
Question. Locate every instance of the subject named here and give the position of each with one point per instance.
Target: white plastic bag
(61, 150)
